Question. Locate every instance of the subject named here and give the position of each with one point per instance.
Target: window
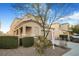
(28, 29)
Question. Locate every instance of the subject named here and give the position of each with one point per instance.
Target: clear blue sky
(7, 15)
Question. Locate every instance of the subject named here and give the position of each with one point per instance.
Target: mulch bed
(30, 51)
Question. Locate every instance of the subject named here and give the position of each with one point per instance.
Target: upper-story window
(28, 29)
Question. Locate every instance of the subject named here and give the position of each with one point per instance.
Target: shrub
(27, 41)
(8, 42)
(41, 44)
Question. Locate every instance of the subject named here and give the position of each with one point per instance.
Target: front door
(20, 42)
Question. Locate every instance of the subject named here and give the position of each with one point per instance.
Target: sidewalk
(74, 48)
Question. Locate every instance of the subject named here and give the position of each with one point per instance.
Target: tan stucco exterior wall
(60, 29)
(36, 29)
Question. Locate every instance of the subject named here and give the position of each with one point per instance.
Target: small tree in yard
(75, 29)
(48, 13)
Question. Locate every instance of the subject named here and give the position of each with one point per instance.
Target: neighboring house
(27, 26)
(65, 28)
(60, 29)
(56, 28)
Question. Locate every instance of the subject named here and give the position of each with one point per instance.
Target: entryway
(20, 42)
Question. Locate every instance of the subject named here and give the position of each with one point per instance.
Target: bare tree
(48, 13)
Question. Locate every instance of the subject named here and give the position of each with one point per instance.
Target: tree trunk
(43, 30)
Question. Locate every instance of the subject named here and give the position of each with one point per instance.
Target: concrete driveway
(74, 48)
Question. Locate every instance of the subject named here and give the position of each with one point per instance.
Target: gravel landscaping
(30, 51)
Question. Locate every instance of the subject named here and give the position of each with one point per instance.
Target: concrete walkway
(74, 48)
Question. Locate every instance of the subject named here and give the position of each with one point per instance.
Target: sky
(7, 15)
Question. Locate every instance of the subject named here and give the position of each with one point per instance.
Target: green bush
(8, 42)
(27, 41)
